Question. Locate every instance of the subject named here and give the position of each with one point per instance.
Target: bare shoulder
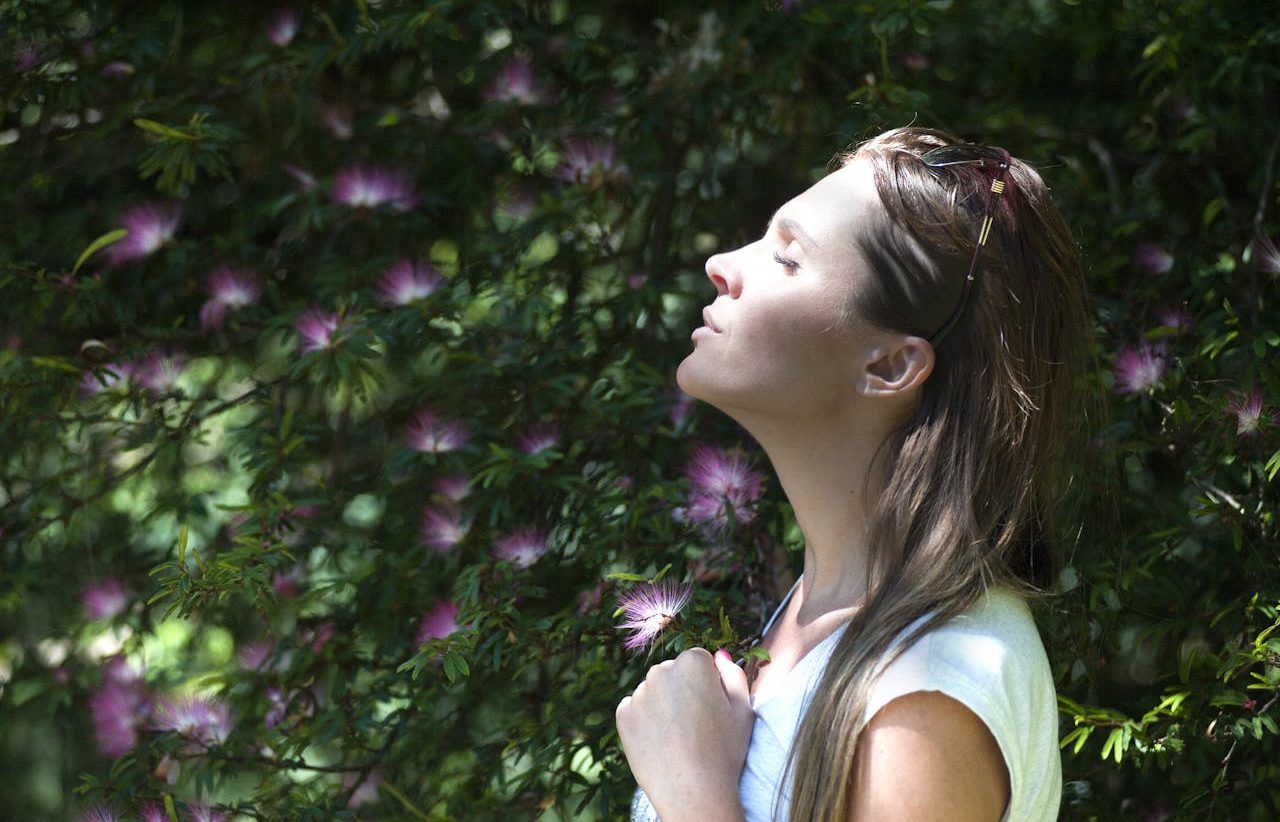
(927, 756)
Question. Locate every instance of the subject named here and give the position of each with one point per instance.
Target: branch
(1268, 180)
(1109, 171)
(109, 484)
(290, 764)
(1226, 760)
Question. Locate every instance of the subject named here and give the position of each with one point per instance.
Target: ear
(897, 368)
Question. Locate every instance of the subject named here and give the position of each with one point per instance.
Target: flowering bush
(336, 399)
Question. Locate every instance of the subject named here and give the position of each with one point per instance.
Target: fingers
(733, 678)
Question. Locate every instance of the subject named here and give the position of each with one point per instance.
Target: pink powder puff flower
(285, 583)
(649, 608)
(104, 598)
(116, 374)
(430, 434)
(1267, 253)
(319, 637)
(1152, 258)
(117, 70)
(915, 61)
(515, 204)
(282, 26)
(26, 56)
(306, 180)
(229, 289)
(203, 813)
(159, 372)
(1175, 316)
(120, 671)
(336, 117)
(152, 812)
(540, 437)
(515, 83)
(254, 655)
(1139, 367)
(589, 599)
(204, 721)
(443, 528)
(406, 282)
(438, 622)
(590, 162)
(304, 511)
(360, 187)
(522, 548)
(318, 330)
(1248, 410)
(279, 707)
(98, 813)
(679, 404)
(453, 487)
(150, 226)
(366, 792)
(117, 709)
(721, 480)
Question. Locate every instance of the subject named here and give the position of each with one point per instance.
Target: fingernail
(727, 656)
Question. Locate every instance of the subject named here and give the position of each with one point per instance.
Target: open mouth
(708, 322)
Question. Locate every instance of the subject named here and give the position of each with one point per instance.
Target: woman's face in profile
(776, 338)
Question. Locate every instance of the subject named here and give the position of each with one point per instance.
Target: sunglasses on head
(965, 154)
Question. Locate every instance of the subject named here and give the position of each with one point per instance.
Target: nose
(724, 275)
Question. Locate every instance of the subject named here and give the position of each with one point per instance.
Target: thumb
(732, 678)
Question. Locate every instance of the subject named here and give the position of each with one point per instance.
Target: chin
(682, 377)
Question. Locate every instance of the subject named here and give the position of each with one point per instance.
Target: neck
(823, 466)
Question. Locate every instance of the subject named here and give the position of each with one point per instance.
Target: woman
(902, 342)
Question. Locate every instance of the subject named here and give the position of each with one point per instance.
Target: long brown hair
(968, 483)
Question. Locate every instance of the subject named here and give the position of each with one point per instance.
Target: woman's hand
(685, 732)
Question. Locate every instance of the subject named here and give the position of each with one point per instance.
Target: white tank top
(990, 658)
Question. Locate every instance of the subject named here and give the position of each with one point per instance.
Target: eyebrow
(793, 227)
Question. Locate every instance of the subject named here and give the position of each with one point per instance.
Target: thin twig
(404, 800)
(295, 764)
(110, 484)
(1108, 171)
(1226, 760)
(1268, 180)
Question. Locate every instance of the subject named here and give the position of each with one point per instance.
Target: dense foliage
(336, 381)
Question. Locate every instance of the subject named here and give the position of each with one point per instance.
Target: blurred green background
(215, 480)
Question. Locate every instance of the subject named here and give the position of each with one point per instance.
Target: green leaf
(1153, 48)
(1214, 347)
(161, 130)
(1273, 466)
(455, 666)
(99, 244)
(1112, 742)
(55, 362)
(1212, 208)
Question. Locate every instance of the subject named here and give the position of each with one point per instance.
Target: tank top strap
(782, 606)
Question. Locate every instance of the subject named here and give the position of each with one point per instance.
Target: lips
(710, 323)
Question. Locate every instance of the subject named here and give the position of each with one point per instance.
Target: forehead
(836, 207)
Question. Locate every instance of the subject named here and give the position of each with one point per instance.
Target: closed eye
(790, 265)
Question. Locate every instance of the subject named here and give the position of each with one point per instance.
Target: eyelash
(790, 265)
